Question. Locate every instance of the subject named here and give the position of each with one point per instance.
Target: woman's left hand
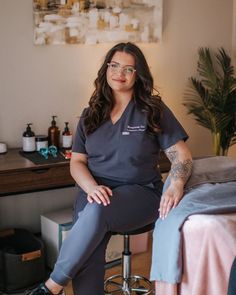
(170, 198)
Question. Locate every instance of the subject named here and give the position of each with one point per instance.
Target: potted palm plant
(211, 98)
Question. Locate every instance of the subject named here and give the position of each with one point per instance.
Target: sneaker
(43, 290)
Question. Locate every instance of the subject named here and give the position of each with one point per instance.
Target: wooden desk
(19, 175)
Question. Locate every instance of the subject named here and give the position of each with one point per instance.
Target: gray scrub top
(124, 151)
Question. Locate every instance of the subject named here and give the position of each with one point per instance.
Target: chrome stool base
(134, 285)
(126, 283)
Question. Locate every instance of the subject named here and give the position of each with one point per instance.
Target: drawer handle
(40, 171)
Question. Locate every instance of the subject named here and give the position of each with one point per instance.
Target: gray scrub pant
(82, 255)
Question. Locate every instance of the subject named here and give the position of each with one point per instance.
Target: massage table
(209, 248)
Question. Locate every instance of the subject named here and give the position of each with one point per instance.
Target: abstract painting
(92, 22)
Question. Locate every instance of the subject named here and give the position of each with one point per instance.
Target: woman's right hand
(79, 170)
(100, 194)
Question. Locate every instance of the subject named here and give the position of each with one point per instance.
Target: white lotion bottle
(28, 140)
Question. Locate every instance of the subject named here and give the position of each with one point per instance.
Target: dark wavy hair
(102, 101)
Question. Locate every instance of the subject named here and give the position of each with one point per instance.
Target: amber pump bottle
(66, 138)
(54, 133)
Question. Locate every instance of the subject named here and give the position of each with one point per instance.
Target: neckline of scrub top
(122, 115)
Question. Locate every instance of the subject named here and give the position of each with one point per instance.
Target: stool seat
(137, 231)
(126, 283)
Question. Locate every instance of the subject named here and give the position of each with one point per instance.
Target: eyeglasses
(115, 68)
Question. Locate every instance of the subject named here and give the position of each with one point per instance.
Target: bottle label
(29, 144)
(41, 144)
(66, 141)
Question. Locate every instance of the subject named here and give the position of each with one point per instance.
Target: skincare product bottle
(41, 142)
(28, 139)
(66, 138)
(54, 133)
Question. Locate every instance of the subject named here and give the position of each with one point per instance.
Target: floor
(140, 266)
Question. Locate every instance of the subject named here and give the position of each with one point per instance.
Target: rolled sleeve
(80, 137)
(172, 130)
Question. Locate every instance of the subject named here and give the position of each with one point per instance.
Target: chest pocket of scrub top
(136, 147)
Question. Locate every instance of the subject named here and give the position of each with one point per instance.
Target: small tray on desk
(38, 159)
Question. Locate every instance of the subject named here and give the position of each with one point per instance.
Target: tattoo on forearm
(179, 169)
(172, 154)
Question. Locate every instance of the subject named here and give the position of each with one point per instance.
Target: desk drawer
(35, 179)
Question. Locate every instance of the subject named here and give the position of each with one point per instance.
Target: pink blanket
(209, 248)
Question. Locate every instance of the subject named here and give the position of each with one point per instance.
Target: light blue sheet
(210, 190)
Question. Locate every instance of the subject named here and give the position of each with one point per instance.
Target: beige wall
(37, 82)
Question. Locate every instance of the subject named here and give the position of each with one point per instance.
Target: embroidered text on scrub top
(139, 128)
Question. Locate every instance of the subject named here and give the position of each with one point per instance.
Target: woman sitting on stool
(114, 162)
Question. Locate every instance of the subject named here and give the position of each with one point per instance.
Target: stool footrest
(118, 285)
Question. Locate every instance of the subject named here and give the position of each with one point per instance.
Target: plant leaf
(211, 99)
